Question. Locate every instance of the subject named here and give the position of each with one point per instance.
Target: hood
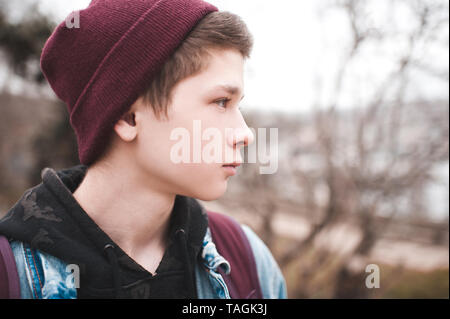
(49, 218)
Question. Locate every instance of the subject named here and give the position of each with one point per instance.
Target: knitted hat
(100, 68)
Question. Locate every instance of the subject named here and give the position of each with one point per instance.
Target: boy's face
(199, 104)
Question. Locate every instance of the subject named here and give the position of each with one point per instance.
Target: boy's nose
(241, 137)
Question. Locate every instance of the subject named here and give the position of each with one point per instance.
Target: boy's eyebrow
(231, 89)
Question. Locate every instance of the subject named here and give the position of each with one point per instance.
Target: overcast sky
(298, 48)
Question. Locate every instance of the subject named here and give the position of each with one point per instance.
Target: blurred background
(359, 93)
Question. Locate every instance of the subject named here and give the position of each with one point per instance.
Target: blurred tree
(376, 156)
(44, 137)
(54, 147)
(22, 42)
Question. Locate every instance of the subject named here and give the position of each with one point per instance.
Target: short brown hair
(218, 30)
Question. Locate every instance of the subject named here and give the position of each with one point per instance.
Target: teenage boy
(126, 223)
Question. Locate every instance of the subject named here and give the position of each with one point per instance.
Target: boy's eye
(223, 102)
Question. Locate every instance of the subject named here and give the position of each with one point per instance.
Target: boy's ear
(130, 118)
(126, 127)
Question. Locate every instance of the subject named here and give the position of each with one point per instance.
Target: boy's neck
(135, 216)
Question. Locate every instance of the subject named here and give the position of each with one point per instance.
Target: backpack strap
(9, 278)
(232, 243)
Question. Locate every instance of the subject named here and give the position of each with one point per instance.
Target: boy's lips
(235, 164)
(231, 168)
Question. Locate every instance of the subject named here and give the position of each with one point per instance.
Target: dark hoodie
(50, 219)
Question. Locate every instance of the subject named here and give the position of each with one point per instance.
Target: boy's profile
(126, 222)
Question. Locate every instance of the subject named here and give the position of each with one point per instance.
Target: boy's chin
(210, 193)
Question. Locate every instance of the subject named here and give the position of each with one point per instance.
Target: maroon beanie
(100, 68)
